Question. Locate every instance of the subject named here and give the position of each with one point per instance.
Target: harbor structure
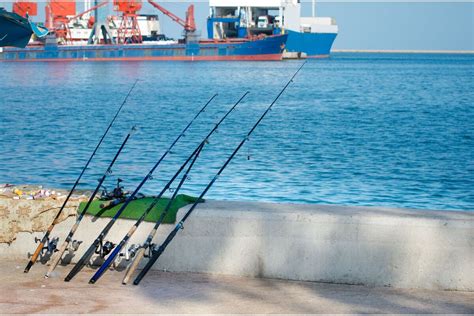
(312, 36)
(122, 37)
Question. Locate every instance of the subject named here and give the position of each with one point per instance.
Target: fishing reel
(117, 192)
(50, 246)
(130, 252)
(74, 245)
(104, 248)
(151, 250)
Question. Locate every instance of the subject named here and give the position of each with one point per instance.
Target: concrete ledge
(355, 245)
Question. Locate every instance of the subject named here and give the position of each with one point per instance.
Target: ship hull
(14, 30)
(315, 45)
(270, 48)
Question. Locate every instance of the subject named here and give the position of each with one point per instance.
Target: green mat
(136, 208)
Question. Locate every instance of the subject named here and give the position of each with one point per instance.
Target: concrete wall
(373, 246)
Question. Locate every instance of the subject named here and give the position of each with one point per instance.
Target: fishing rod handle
(37, 252)
(63, 248)
(106, 264)
(157, 253)
(150, 237)
(145, 270)
(134, 265)
(82, 262)
(56, 258)
(34, 257)
(110, 259)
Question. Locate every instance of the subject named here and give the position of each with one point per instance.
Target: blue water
(356, 129)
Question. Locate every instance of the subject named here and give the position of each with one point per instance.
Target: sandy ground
(164, 292)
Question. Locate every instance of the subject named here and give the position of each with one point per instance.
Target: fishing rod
(108, 246)
(140, 252)
(124, 241)
(68, 240)
(195, 153)
(46, 240)
(157, 251)
(105, 248)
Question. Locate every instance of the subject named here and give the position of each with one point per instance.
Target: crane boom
(189, 25)
(89, 10)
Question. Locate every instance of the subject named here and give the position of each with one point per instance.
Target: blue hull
(14, 30)
(313, 44)
(270, 48)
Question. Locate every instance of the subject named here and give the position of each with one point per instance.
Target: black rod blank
(90, 251)
(132, 230)
(71, 233)
(38, 250)
(156, 253)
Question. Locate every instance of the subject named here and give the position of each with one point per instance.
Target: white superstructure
(288, 12)
(149, 27)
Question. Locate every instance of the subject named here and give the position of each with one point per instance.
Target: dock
(371, 246)
(167, 293)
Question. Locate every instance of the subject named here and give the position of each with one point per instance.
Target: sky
(427, 25)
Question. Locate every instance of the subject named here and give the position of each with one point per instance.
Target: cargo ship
(127, 43)
(309, 36)
(269, 48)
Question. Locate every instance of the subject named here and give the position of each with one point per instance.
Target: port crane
(56, 12)
(189, 24)
(60, 12)
(128, 31)
(25, 8)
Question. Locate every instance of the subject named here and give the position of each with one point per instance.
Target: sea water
(355, 129)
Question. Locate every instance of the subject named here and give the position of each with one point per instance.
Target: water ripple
(357, 129)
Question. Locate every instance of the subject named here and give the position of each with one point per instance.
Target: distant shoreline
(402, 51)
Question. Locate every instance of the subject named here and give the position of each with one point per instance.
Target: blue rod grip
(106, 264)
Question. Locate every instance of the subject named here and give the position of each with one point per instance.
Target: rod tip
(91, 281)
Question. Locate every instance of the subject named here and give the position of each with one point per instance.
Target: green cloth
(136, 208)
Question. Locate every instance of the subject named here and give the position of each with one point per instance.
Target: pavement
(165, 292)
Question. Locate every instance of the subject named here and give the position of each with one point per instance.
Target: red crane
(24, 8)
(129, 31)
(189, 24)
(57, 12)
